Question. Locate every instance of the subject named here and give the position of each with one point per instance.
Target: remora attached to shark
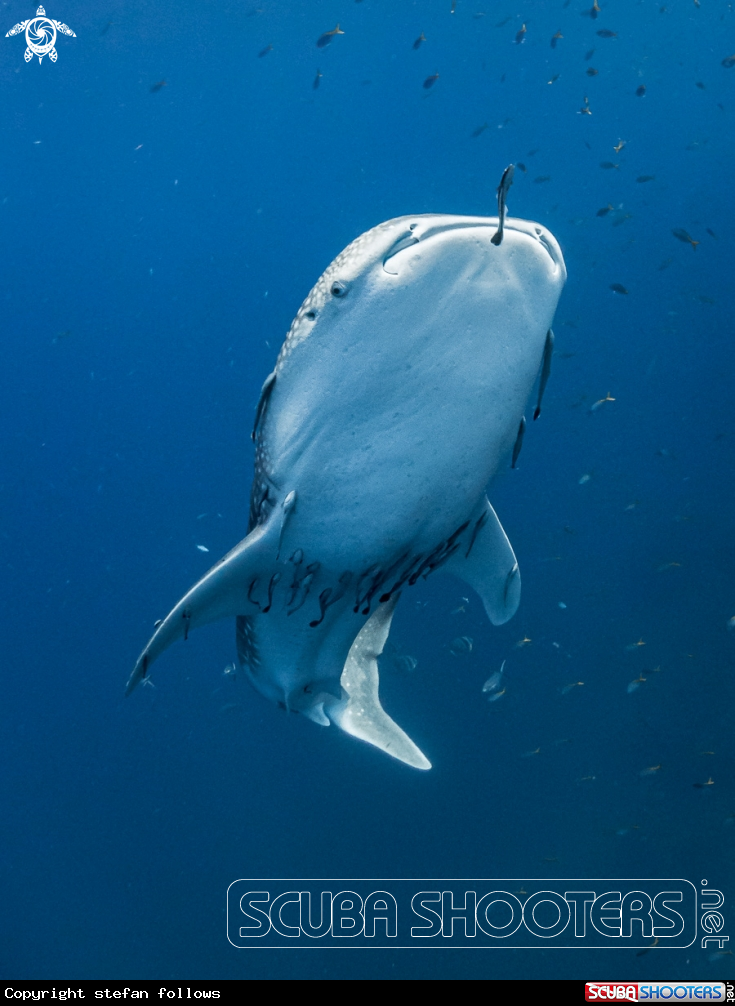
(397, 393)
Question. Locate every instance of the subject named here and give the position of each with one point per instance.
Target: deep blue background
(156, 245)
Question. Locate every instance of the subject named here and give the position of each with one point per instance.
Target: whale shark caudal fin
(221, 593)
(489, 566)
(360, 714)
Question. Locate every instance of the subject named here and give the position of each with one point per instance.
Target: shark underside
(398, 392)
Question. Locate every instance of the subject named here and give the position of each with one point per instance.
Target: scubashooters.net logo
(462, 913)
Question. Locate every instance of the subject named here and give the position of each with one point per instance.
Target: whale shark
(399, 391)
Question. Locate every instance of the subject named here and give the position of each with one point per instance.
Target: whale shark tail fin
(360, 713)
(225, 591)
(489, 566)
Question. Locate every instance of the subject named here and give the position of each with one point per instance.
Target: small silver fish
(326, 37)
(494, 681)
(651, 770)
(405, 663)
(568, 688)
(601, 401)
(462, 644)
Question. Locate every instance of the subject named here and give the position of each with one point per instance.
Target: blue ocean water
(170, 189)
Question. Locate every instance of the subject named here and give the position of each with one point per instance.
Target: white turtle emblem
(40, 35)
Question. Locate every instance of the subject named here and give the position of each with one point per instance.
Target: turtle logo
(40, 35)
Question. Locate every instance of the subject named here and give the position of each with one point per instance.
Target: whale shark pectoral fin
(488, 564)
(360, 714)
(223, 592)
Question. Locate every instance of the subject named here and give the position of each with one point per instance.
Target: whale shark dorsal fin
(360, 714)
(488, 564)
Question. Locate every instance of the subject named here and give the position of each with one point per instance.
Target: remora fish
(505, 183)
(396, 396)
(519, 442)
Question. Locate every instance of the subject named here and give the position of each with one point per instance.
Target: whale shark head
(435, 257)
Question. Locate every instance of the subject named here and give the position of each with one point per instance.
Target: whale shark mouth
(416, 234)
